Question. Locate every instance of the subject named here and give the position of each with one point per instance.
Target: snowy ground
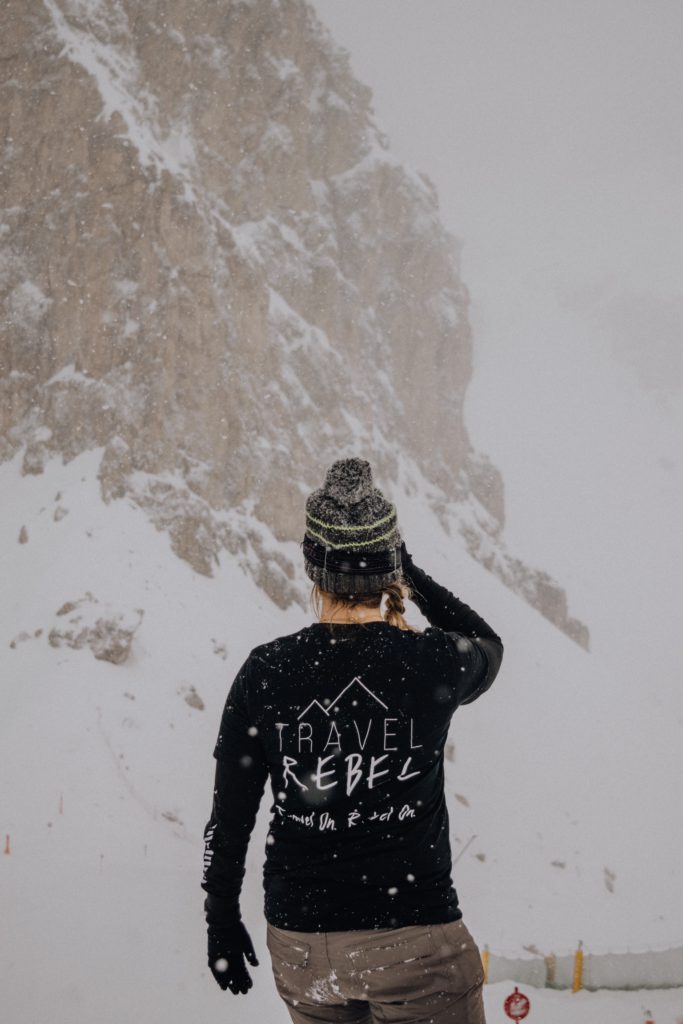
(548, 1007)
(108, 775)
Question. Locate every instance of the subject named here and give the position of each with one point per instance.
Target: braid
(397, 594)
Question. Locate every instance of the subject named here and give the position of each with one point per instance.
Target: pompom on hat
(352, 544)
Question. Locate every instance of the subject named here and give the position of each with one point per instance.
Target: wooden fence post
(550, 970)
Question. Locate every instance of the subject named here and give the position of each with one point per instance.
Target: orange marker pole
(577, 983)
(7, 850)
(485, 963)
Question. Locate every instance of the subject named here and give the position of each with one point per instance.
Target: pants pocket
(291, 951)
(458, 956)
(290, 961)
(404, 946)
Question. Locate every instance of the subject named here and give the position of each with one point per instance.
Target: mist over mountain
(215, 269)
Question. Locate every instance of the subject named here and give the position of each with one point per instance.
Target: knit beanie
(352, 543)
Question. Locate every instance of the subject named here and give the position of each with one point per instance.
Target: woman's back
(350, 723)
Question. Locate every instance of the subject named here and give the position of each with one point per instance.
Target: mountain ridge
(224, 276)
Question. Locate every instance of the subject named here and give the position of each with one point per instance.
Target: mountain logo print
(333, 704)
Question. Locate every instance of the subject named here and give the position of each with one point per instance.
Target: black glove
(228, 945)
(408, 567)
(406, 559)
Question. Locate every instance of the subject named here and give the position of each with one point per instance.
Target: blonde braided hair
(397, 594)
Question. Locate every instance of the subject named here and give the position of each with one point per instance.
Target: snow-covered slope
(108, 771)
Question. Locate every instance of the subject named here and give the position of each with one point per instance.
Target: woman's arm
(241, 773)
(484, 655)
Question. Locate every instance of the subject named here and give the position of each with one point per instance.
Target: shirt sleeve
(472, 672)
(474, 646)
(241, 773)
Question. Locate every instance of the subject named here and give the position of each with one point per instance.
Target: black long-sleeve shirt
(350, 723)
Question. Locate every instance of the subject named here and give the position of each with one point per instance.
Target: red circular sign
(517, 1005)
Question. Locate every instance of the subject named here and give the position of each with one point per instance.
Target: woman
(349, 717)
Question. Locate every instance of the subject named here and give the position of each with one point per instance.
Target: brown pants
(419, 974)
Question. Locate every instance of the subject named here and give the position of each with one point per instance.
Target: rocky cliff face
(214, 268)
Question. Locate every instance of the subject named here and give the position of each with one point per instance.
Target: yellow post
(578, 969)
(485, 963)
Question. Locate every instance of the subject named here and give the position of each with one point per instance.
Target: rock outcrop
(215, 269)
(107, 632)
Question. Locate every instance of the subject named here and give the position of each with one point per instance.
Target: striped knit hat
(352, 543)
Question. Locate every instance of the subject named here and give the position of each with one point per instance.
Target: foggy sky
(553, 134)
